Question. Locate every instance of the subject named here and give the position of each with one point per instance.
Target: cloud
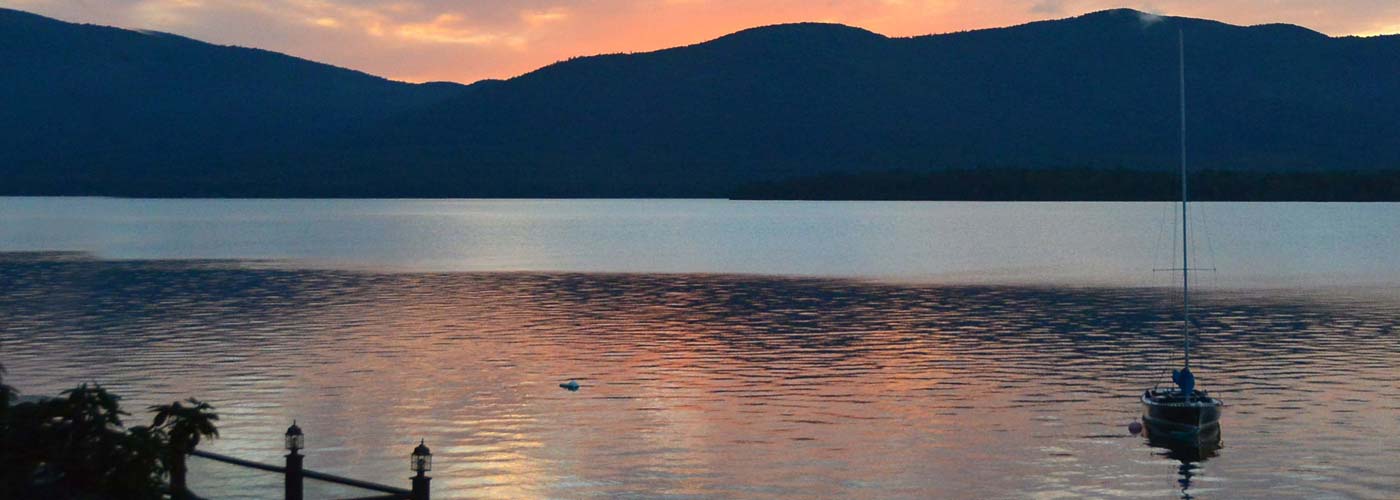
(1053, 7)
(165, 12)
(540, 17)
(1149, 19)
(445, 28)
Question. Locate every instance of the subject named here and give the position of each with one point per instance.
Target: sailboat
(1182, 412)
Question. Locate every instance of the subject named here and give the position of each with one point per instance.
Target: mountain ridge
(760, 105)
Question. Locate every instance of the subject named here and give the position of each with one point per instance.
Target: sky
(468, 40)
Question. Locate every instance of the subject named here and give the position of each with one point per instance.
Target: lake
(725, 349)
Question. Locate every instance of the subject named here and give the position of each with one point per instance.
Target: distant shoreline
(992, 184)
(1082, 184)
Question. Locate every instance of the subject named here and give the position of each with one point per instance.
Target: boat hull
(1166, 410)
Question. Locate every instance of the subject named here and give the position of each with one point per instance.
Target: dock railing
(294, 474)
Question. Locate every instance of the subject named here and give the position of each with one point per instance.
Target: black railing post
(420, 486)
(293, 481)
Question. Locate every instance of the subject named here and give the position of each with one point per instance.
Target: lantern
(421, 460)
(295, 439)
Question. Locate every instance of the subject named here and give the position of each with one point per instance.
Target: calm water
(1271, 244)
(757, 350)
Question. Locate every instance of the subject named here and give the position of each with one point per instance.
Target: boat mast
(1185, 261)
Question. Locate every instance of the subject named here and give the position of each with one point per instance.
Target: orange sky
(467, 40)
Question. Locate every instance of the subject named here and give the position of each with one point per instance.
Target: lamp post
(295, 441)
(421, 461)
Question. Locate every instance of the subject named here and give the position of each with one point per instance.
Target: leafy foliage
(186, 425)
(75, 446)
(183, 426)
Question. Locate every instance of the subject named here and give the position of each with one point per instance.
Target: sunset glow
(468, 40)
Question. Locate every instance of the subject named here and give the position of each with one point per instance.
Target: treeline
(1082, 184)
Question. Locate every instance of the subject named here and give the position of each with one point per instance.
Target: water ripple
(718, 385)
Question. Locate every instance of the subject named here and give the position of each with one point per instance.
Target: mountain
(98, 110)
(132, 113)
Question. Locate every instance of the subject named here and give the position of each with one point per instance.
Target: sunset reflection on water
(717, 385)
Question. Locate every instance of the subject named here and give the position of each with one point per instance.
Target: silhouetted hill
(765, 105)
(104, 110)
